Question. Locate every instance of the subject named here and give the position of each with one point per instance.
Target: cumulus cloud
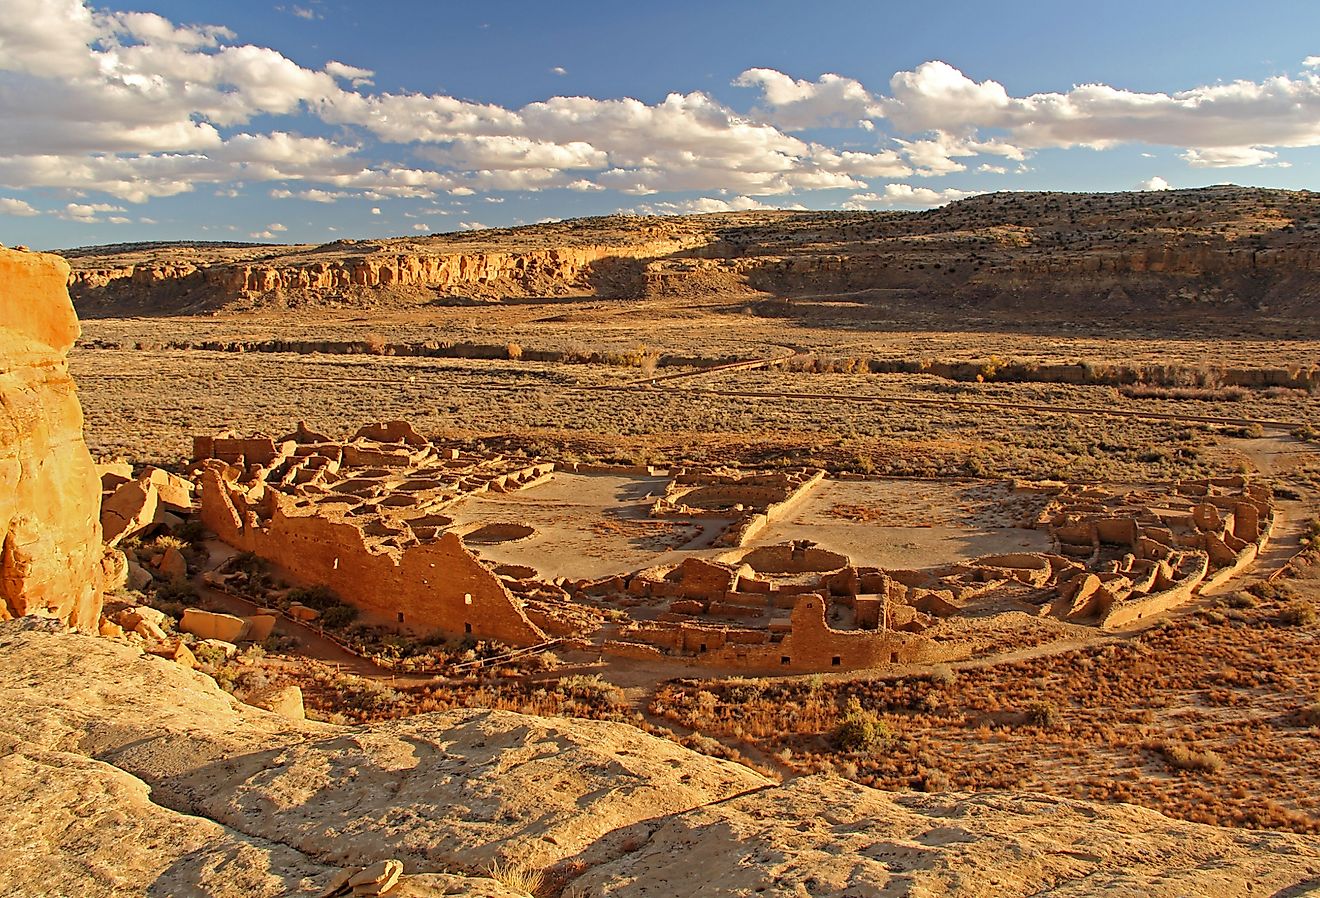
(472, 226)
(1230, 157)
(703, 205)
(906, 196)
(133, 106)
(87, 213)
(559, 70)
(350, 73)
(12, 206)
(795, 104)
(1155, 183)
(1281, 111)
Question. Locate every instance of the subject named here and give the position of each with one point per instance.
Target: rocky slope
(50, 496)
(1225, 250)
(129, 775)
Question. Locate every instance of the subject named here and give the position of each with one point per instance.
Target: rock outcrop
(50, 492)
(1214, 251)
(128, 775)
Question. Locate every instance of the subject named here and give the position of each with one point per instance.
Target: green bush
(860, 730)
(338, 616)
(321, 598)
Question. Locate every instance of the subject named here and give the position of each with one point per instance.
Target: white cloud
(276, 227)
(350, 73)
(421, 227)
(1280, 111)
(559, 70)
(313, 194)
(87, 213)
(472, 226)
(1155, 183)
(133, 106)
(906, 196)
(375, 210)
(1231, 157)
(795, 105)
(701, 205)
(12, 206)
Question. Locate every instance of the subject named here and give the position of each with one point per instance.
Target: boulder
(139, 578)
(259, 627)
(173, 649)
(114, 570)
(113, 474)
(131, 509)
(110, 629)
(377, 879)
(172, 566)
(50, 493)
(286, 701)
(175, 492)
(303, 613)
(211, 625)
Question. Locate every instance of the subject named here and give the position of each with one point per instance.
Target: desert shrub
(175, 593)
(860, 730)
(517, 877)
(191, 532)
(338, 616)
(1299, 613)
(211, 655)
(1182, 757)
(1042, 714)
(1309, 715)
(318, 597)
(943, 674)
(277, 644)
(1241, 600)
(166, 541)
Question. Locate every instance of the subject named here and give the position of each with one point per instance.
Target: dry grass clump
(517, 877)
(1183, 757)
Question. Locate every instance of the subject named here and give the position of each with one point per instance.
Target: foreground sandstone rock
(50, 492)
(128, 776)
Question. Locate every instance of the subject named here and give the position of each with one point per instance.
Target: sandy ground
(587, 525)
(896, 523)
(599, 525)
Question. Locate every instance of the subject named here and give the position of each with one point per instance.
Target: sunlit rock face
(50, 531)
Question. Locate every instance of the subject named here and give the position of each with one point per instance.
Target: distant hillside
(1214, 252)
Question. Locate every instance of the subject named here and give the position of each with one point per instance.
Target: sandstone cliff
(128, 775)
(50, 496)
(1211, 251)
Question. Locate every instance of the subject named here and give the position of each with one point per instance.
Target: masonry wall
(433, 586)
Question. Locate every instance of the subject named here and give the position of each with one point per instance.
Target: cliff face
(1245, 248)
(606, 270)
(49, 493)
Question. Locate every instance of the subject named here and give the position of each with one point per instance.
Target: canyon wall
(50, 495)
(607, 270)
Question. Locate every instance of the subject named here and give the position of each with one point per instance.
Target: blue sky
(313, 120)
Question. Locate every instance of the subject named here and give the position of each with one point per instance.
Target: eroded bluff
(50, 496)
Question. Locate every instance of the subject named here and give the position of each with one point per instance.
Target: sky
(317, 120)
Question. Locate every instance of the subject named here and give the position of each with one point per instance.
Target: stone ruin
(366, 517)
